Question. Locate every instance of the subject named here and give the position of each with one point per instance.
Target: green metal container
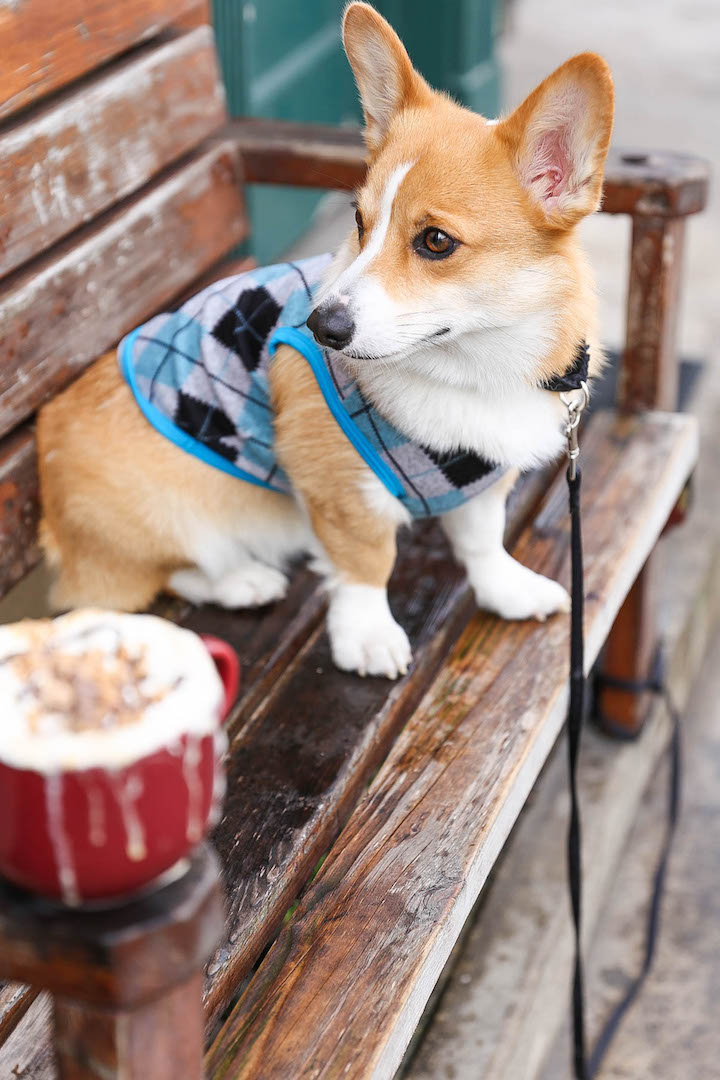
(283, 59)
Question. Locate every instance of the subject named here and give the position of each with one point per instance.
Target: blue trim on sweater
(167, 428)
(290, 335)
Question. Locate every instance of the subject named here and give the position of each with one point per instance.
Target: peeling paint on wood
(72, 160)
(113, 276)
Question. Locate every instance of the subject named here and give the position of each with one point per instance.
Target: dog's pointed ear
(386, 80)
(559, 138)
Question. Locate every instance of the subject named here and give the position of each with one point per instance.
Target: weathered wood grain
(62, 311)
(19, 508)
(76, 157)
(28, 1052)
(306, 737)
(305, 769)
(657, 183)
(15, 1000)
(343, 987)
(648, 377)
(45, 44)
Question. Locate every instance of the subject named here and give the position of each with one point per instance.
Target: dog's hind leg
(251, 584)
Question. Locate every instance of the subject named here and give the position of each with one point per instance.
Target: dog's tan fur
(118, 497)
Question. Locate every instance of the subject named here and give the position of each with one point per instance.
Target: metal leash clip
(575, 406)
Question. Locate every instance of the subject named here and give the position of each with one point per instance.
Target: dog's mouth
(396, 352)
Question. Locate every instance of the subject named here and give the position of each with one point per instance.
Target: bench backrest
(117, 193)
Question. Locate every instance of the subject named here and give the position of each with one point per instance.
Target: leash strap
(575, 719)
(656, 685)
(586, 1068)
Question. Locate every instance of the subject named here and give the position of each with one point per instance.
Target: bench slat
(83, 153)
(307, 737)
(345, 984)
(15, 1000)
(313, 155)
(28, 1051)
(106, 280)
(45, 44)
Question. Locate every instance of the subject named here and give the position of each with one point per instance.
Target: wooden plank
(15, 1000)
(656, 183)
(306, 737)
(45, 45)
(64, 310)
(77, 157)
(376, 926)
(28, 1052)
(19, 508)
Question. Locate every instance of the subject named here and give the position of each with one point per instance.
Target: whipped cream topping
(96, 689)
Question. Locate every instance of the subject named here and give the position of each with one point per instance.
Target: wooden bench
(122, 188)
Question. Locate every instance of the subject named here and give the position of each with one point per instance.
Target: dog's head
(462, 223)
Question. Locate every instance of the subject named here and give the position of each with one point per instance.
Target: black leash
(586, 1068)
(575, 718)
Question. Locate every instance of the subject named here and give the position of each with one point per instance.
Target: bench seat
(364, 948)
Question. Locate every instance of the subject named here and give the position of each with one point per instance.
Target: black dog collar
(575, 375)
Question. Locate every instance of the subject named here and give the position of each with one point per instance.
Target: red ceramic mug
(79, 829)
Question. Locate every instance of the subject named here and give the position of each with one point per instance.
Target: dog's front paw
(513, 591)
(364, 637)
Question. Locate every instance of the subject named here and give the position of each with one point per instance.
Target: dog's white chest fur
(520, 427)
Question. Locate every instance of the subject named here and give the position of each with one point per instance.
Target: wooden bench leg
(126, 980)
(628, 655)
(648, 379)
(161, 1039)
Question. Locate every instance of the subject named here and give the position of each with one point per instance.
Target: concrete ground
(671, 1032)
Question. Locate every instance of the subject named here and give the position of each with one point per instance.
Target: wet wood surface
(109, 277)
(45, 44)
(306, 737)
(343, 987)
(296, 770)
(77, 156)
(655, 183)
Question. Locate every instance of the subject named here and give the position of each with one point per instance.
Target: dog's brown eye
(359, 223)
(434, 244)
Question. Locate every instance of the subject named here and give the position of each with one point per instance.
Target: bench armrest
(316, 155)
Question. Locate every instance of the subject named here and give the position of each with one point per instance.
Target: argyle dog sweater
(200, 376)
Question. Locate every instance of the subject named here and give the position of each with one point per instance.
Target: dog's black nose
(332, 325)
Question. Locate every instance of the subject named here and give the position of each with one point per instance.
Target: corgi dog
(447, 314)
